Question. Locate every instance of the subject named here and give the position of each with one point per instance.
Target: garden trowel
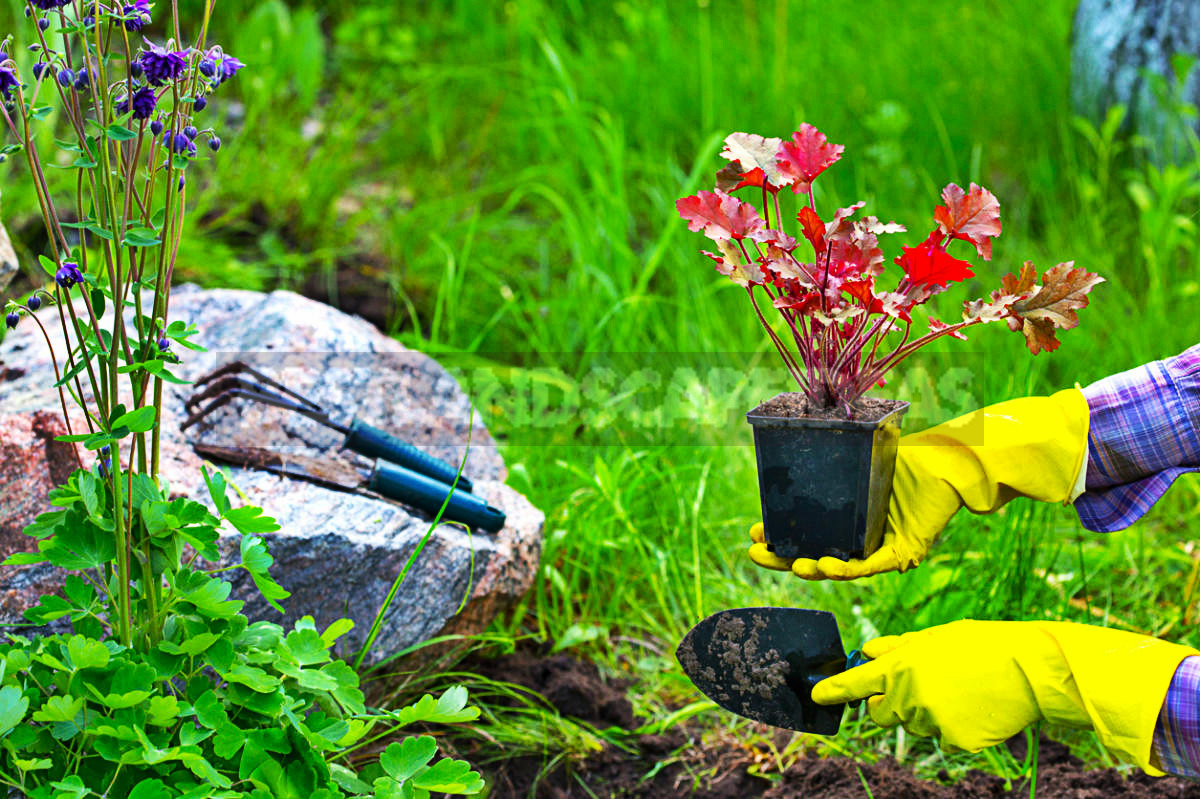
(762, 663)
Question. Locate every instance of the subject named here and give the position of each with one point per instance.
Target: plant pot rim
(760, 420)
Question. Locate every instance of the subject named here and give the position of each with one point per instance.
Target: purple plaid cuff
(1177, 736)
(1142, 435)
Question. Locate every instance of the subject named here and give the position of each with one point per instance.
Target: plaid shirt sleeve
(1142, 435)
(1177, 736)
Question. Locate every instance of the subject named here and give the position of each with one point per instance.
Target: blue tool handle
(856, 658)
(368, 440)
(422, 491)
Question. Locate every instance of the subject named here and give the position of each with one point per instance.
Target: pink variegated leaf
(973, 215)
(937, 326)
(895, 305)
(873, 225)
(838, 316)
(805, 157)
(838, 225)
(721, 216)
(733, 265)
(855, 252)
(756, 156)
(997, 307)
(783, 266)
(777, 238)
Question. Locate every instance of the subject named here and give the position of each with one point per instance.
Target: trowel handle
(855, 658)
(368, 440)
(422, 491)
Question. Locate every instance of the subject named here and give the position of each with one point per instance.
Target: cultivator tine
(223, 384)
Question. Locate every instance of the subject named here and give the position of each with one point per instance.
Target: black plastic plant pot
(824, 483)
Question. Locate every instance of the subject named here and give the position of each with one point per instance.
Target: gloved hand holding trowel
(1113, 449)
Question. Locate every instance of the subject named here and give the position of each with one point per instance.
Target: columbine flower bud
(135, 69)
(12, 319)
(156, 127)
(191, 132)
(34, 303)
(200, 103)
(164, 344)
(208, 67)
(82, 79)
(68, 275)
(44, 23)
(214, 144)
(39, 68)
(65, 77)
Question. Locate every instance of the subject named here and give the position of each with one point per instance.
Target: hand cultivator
(400, 471)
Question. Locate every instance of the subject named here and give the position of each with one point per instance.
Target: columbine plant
(827, 291)
(164, 689)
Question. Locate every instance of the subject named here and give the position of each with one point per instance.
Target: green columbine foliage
(164, 688)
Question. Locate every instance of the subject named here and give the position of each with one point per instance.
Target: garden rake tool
(400, 471)
(762, 663)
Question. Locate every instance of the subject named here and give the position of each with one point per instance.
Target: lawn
(507, 173)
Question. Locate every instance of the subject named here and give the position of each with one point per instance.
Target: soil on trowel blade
(720, 770)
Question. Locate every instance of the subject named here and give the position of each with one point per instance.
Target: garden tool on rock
(400, 471)
(385, 478)
(762, 663)
(226, 383)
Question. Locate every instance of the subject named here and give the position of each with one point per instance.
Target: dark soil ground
(720, 771)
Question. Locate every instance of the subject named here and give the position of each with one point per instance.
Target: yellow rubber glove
(977, 683)
(1033, 446)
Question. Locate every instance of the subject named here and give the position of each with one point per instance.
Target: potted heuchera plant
(826, 453)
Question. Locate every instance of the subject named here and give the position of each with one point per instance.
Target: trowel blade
(761, 663)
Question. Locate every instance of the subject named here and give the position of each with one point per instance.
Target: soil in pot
(825, 480)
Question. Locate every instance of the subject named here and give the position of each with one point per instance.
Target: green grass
(511, 169)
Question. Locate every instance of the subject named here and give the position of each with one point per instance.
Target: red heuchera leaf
(721, 216)
(800, 303)
(972, 216)
(807, 155)
(756, 155)
(929, 264)
(814, 228)
(1053, 305)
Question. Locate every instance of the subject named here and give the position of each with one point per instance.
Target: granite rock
(337, 552)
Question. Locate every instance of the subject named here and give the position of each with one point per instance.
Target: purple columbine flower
(137, 15)
(144, 101)
(230, 67)
(8, 82)
(82, 78)
(34, 303)
(162, 65)
(68, 275)
(8, 78)
(156, 127)
(178, 143)
(12, 319)
(200, 103)
(219, 66)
